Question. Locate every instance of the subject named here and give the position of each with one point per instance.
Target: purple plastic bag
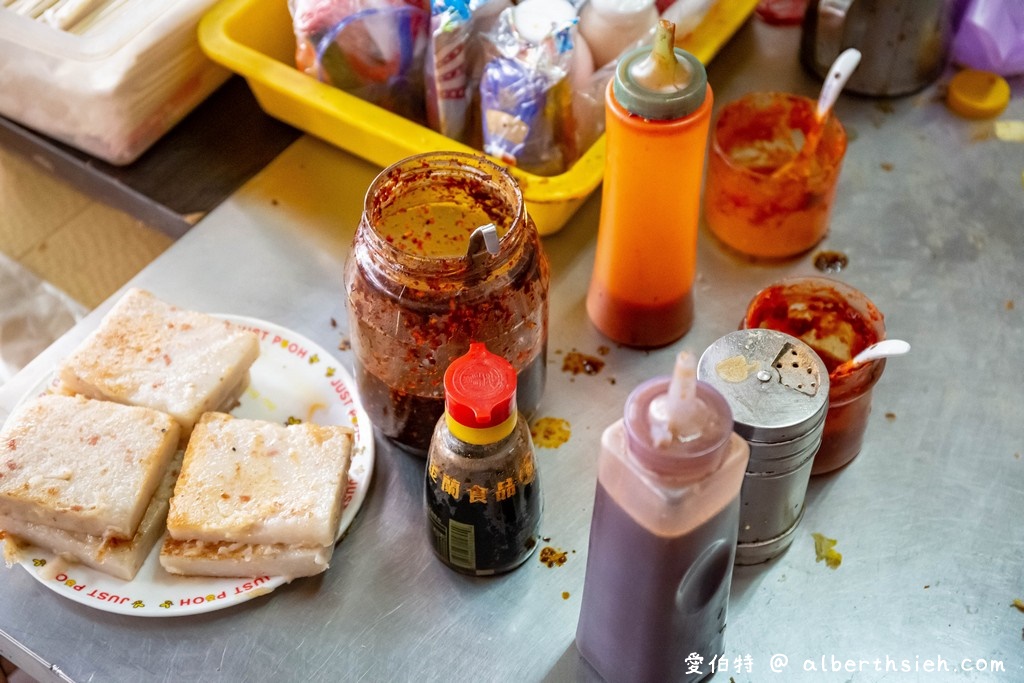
(990, 37)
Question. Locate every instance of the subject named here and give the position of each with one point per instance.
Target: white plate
(292, 378)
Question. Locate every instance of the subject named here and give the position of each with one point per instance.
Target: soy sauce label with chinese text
(483, 525)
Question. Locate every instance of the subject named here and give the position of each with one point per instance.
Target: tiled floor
(84, 248)
(61, 254)
(9, 674)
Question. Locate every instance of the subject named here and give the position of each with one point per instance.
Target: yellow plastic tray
(255, 39)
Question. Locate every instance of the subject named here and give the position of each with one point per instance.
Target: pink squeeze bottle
(663, 533)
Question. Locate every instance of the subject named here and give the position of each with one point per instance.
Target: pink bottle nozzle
(678, 426)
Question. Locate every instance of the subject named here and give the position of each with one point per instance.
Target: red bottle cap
(480, 390)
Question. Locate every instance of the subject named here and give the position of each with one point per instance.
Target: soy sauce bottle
(482, 494)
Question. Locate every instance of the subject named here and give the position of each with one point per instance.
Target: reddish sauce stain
(576, 363)
(553, 557)
(830, 261)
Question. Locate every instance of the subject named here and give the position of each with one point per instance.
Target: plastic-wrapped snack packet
(373, 49)
(525, 95)
(455, 26)
(311, 19)
(447, 71)
(513, 98)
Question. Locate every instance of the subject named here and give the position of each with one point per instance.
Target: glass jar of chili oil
(423, 282)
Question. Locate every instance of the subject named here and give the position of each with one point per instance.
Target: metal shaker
(777, 387)
(904, 42)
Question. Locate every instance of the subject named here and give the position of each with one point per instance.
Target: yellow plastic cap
(978, 94)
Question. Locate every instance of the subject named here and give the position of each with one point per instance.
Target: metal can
(444, 254)
(777, 387)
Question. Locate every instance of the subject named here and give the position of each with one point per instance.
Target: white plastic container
(612, 26)
(115, 86)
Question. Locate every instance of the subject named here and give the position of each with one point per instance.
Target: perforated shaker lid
(776, 385)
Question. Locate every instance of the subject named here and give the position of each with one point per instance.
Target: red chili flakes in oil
(821, 318)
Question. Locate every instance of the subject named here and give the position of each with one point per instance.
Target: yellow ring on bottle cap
(978, 94)
(481, 436)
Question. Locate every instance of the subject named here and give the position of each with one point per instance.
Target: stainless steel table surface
(928, 517)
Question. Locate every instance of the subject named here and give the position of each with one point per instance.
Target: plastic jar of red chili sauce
(838, 322)
(444, 254)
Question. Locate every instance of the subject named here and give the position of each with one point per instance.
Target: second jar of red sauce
(773, 170)
(838, 322)
(421, 286)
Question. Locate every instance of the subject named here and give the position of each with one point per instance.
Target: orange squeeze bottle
(657, 114)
